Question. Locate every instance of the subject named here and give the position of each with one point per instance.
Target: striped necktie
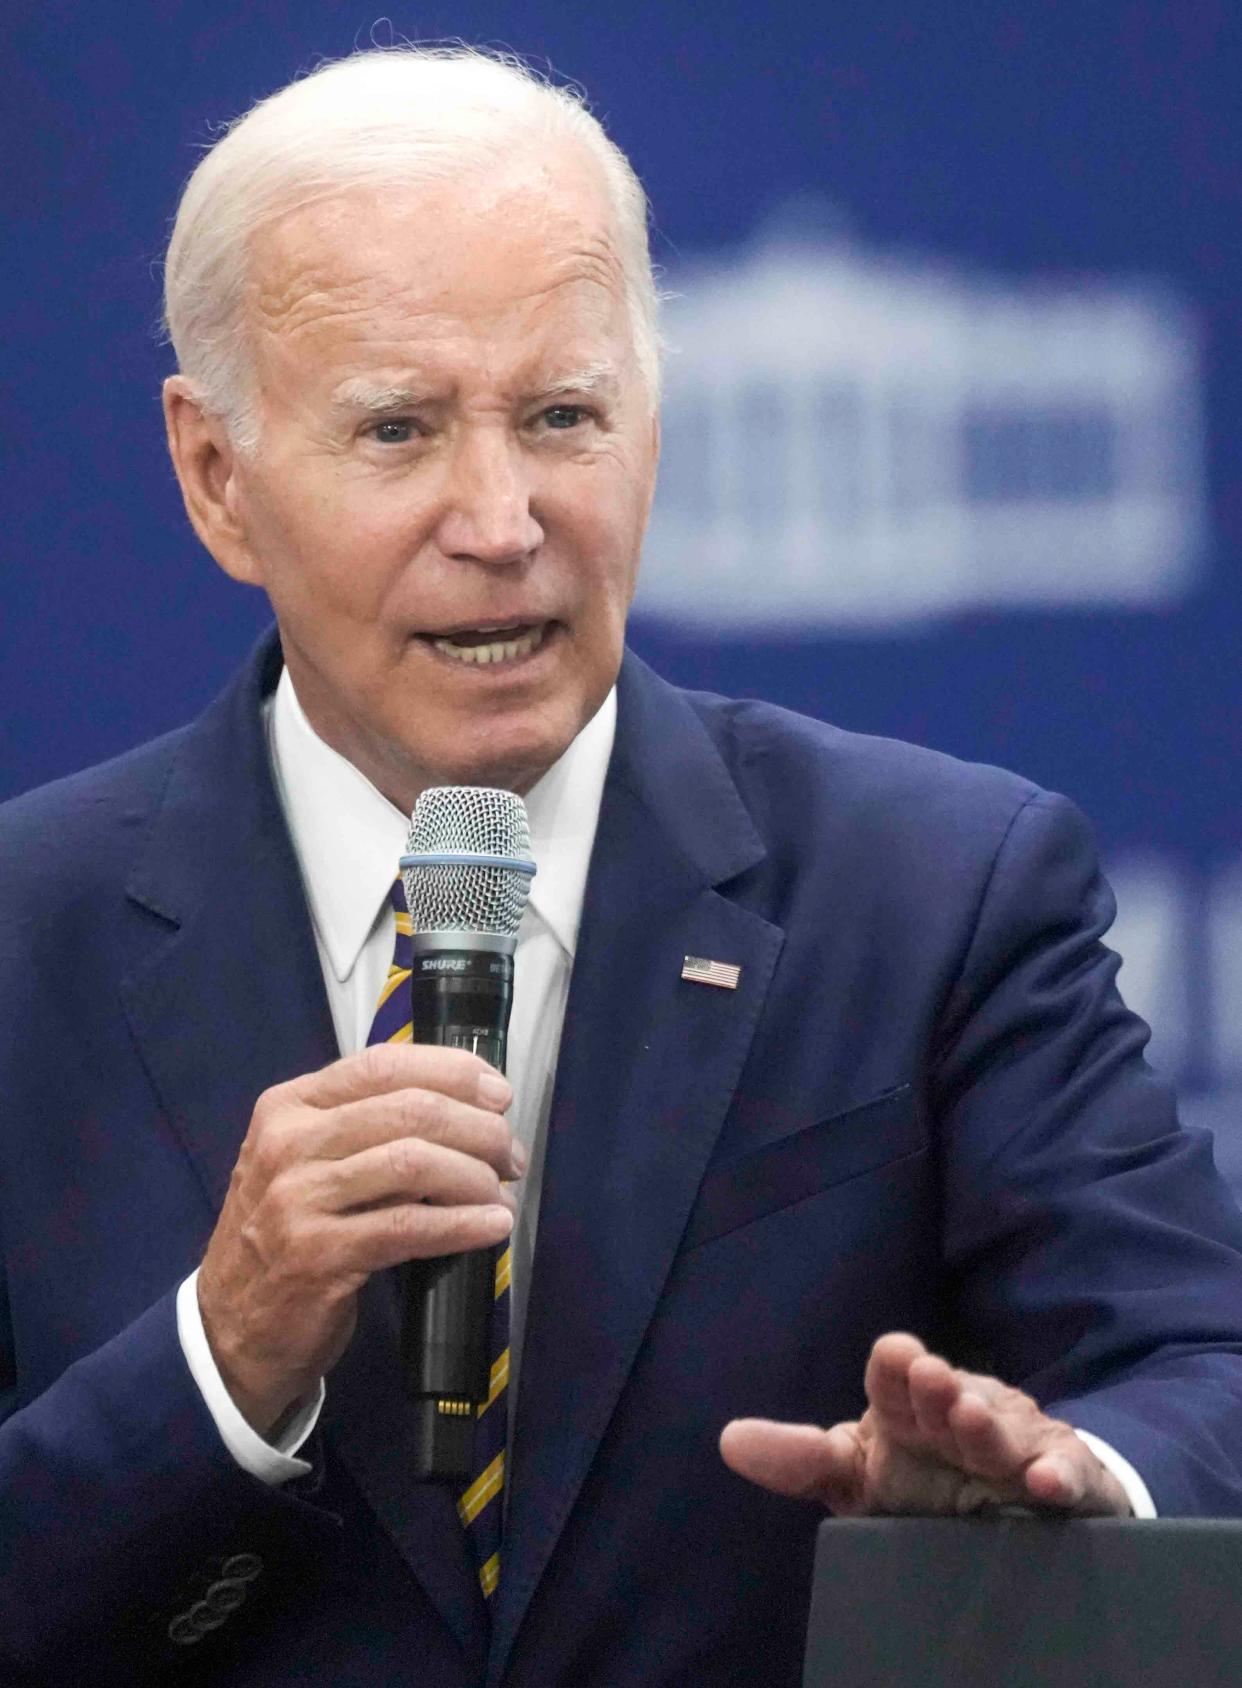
(481, 1505)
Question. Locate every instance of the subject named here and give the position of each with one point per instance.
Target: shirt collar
(348, 836)
(564, 813)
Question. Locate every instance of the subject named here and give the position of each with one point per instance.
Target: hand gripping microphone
(467, 872)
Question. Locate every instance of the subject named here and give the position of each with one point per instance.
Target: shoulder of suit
(765, 743)
(911, 838)
(813, 788)
(83, 830)
(76, 828)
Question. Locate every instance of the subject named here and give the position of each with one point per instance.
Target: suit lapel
(648, 1067)
(227, 995)
(227, 999)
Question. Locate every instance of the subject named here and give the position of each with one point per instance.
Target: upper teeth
(500, 650)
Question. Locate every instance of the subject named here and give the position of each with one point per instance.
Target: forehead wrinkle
(591, 264)
(325, 286)
(322, 304)
(330, 292)
(366, 309)
(595, 282)
(351, 252)
(541, 368)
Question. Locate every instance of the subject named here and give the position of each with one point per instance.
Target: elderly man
(415, 324)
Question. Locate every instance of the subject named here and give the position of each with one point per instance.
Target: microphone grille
(468, 896)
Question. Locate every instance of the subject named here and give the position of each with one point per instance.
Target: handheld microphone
(467, 872)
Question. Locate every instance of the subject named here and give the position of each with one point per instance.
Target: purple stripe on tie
(393, 1014)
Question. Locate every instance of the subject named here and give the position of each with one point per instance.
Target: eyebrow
(360, 394)
(589, 380)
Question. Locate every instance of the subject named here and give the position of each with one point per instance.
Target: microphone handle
(461, 992)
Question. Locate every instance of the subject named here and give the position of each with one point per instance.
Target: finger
(381, 1237)
(1058, 1480)
(337, 1133)
(998, 1439)
(404, 1066)
(934, 1388)
(799, 1460)
(842, 1486)
(887, 1378)
(406, 1169)
(990, 1442)
(1070, 1478)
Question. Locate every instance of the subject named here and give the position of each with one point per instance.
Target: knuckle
(284, 1213)
(421, 1112)
(264, 1241)
(261, 1116)
(270, 1148)
(406, 1158)
(404, 1224)
(384, 1064)
(269, 1105)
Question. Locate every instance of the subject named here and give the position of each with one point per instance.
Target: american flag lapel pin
(700, 971)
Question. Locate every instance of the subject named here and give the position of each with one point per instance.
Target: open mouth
(490, 645)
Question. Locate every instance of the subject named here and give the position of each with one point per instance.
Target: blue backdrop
(954, 400)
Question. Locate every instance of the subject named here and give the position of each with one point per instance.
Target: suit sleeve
(122, 1510)
(1095, 1253)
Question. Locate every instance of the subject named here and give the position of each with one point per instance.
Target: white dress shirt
(348, 838)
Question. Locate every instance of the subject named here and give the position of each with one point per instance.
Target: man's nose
(487, 514)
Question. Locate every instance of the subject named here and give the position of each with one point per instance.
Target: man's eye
(395, 431)
(563, 416)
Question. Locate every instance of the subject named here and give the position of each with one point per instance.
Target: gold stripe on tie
(396, 976)
(489, 1574)
(499, 1381)
(503, 1266)
(482, 1490)
(405, 926)
(405, 1035)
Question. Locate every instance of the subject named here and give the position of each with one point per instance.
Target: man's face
(455, 466)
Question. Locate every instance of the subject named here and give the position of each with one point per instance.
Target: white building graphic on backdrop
(850, 440)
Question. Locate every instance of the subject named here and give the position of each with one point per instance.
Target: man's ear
(655, 462)
(205, 460)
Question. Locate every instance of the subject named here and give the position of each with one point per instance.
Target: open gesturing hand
(935, 1441)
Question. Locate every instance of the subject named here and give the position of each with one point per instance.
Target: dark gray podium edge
(1026, 1603)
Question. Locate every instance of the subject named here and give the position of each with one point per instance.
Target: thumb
(799, 1460)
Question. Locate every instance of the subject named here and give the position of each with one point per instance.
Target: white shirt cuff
(1141, 1503)
(270, 1462)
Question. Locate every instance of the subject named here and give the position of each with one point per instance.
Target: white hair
(390, 116)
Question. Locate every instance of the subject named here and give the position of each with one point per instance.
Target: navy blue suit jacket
(924, 1108)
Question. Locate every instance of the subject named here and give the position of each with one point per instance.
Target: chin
(517, 759)
(508, 772)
